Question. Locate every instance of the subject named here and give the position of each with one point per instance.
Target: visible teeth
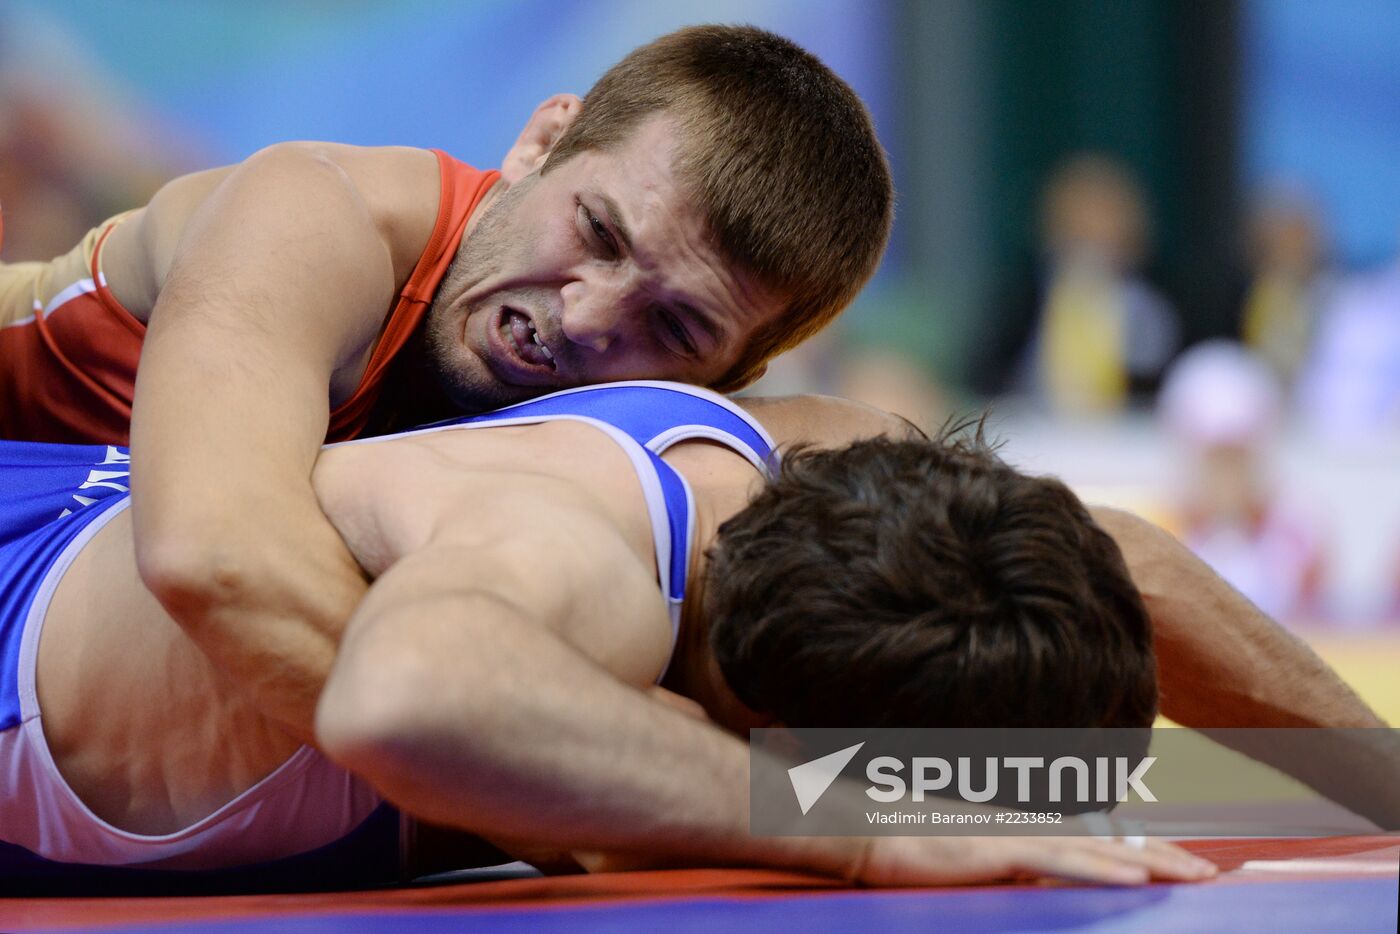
(540, 344)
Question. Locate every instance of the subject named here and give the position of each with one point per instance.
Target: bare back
(152, 737)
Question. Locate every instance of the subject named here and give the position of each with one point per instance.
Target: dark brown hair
(926, 584)
(779, 155)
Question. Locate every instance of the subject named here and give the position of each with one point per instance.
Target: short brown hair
(925, 583)
(781, 157)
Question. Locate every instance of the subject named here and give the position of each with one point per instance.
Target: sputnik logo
(810, 780)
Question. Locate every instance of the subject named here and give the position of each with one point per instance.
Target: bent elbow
(353, 730)
(372, 728)
(191, 573)
(389, 709)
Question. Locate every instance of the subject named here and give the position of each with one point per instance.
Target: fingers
(1112, 862)
(945, 861)
(1161, 859)
(1079, 864)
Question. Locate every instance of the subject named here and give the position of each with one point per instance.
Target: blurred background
(1156, 240)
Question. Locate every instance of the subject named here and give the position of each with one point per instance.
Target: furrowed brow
(702, 321)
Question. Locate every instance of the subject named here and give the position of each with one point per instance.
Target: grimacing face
(598, 271)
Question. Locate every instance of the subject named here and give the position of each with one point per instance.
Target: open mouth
(521, 341)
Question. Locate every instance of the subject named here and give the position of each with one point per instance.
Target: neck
(411, 397)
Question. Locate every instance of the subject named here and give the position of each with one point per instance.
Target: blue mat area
(1354, 906)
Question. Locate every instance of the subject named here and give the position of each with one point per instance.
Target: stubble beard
(455, 367)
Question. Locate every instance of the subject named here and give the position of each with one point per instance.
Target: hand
(922, 861)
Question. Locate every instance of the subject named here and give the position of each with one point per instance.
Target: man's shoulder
(472, 485)
(551, 469)
(399, 186)
(558, 524)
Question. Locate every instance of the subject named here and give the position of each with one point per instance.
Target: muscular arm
(1223, 663)
(277, 280)
(493, 689)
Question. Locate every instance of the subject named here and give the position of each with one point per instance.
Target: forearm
(1221, 661)
(229, 535)
(511, 733)
(234, 546)
(275, 281)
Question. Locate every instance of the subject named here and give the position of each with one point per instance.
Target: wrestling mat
(1340, 884)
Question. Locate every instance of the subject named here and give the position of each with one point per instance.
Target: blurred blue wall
(1322, 93)
(237, 75)
(461, 76)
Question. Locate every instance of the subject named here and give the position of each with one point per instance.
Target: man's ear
(542, 131)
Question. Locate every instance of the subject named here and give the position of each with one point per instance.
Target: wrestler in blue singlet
(54, 497)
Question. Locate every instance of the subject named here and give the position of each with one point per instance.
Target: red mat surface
(1319, 859)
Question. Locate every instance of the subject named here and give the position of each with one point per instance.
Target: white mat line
(1319, 865)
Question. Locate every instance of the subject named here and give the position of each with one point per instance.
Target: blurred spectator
(884, 377)
(1221, 405)
(73, 150)
(891, 380)
(1289, 282)
(1351, 385)
(810, 367)
(1097, 329)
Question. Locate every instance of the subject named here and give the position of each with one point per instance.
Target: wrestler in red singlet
(68, 349)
